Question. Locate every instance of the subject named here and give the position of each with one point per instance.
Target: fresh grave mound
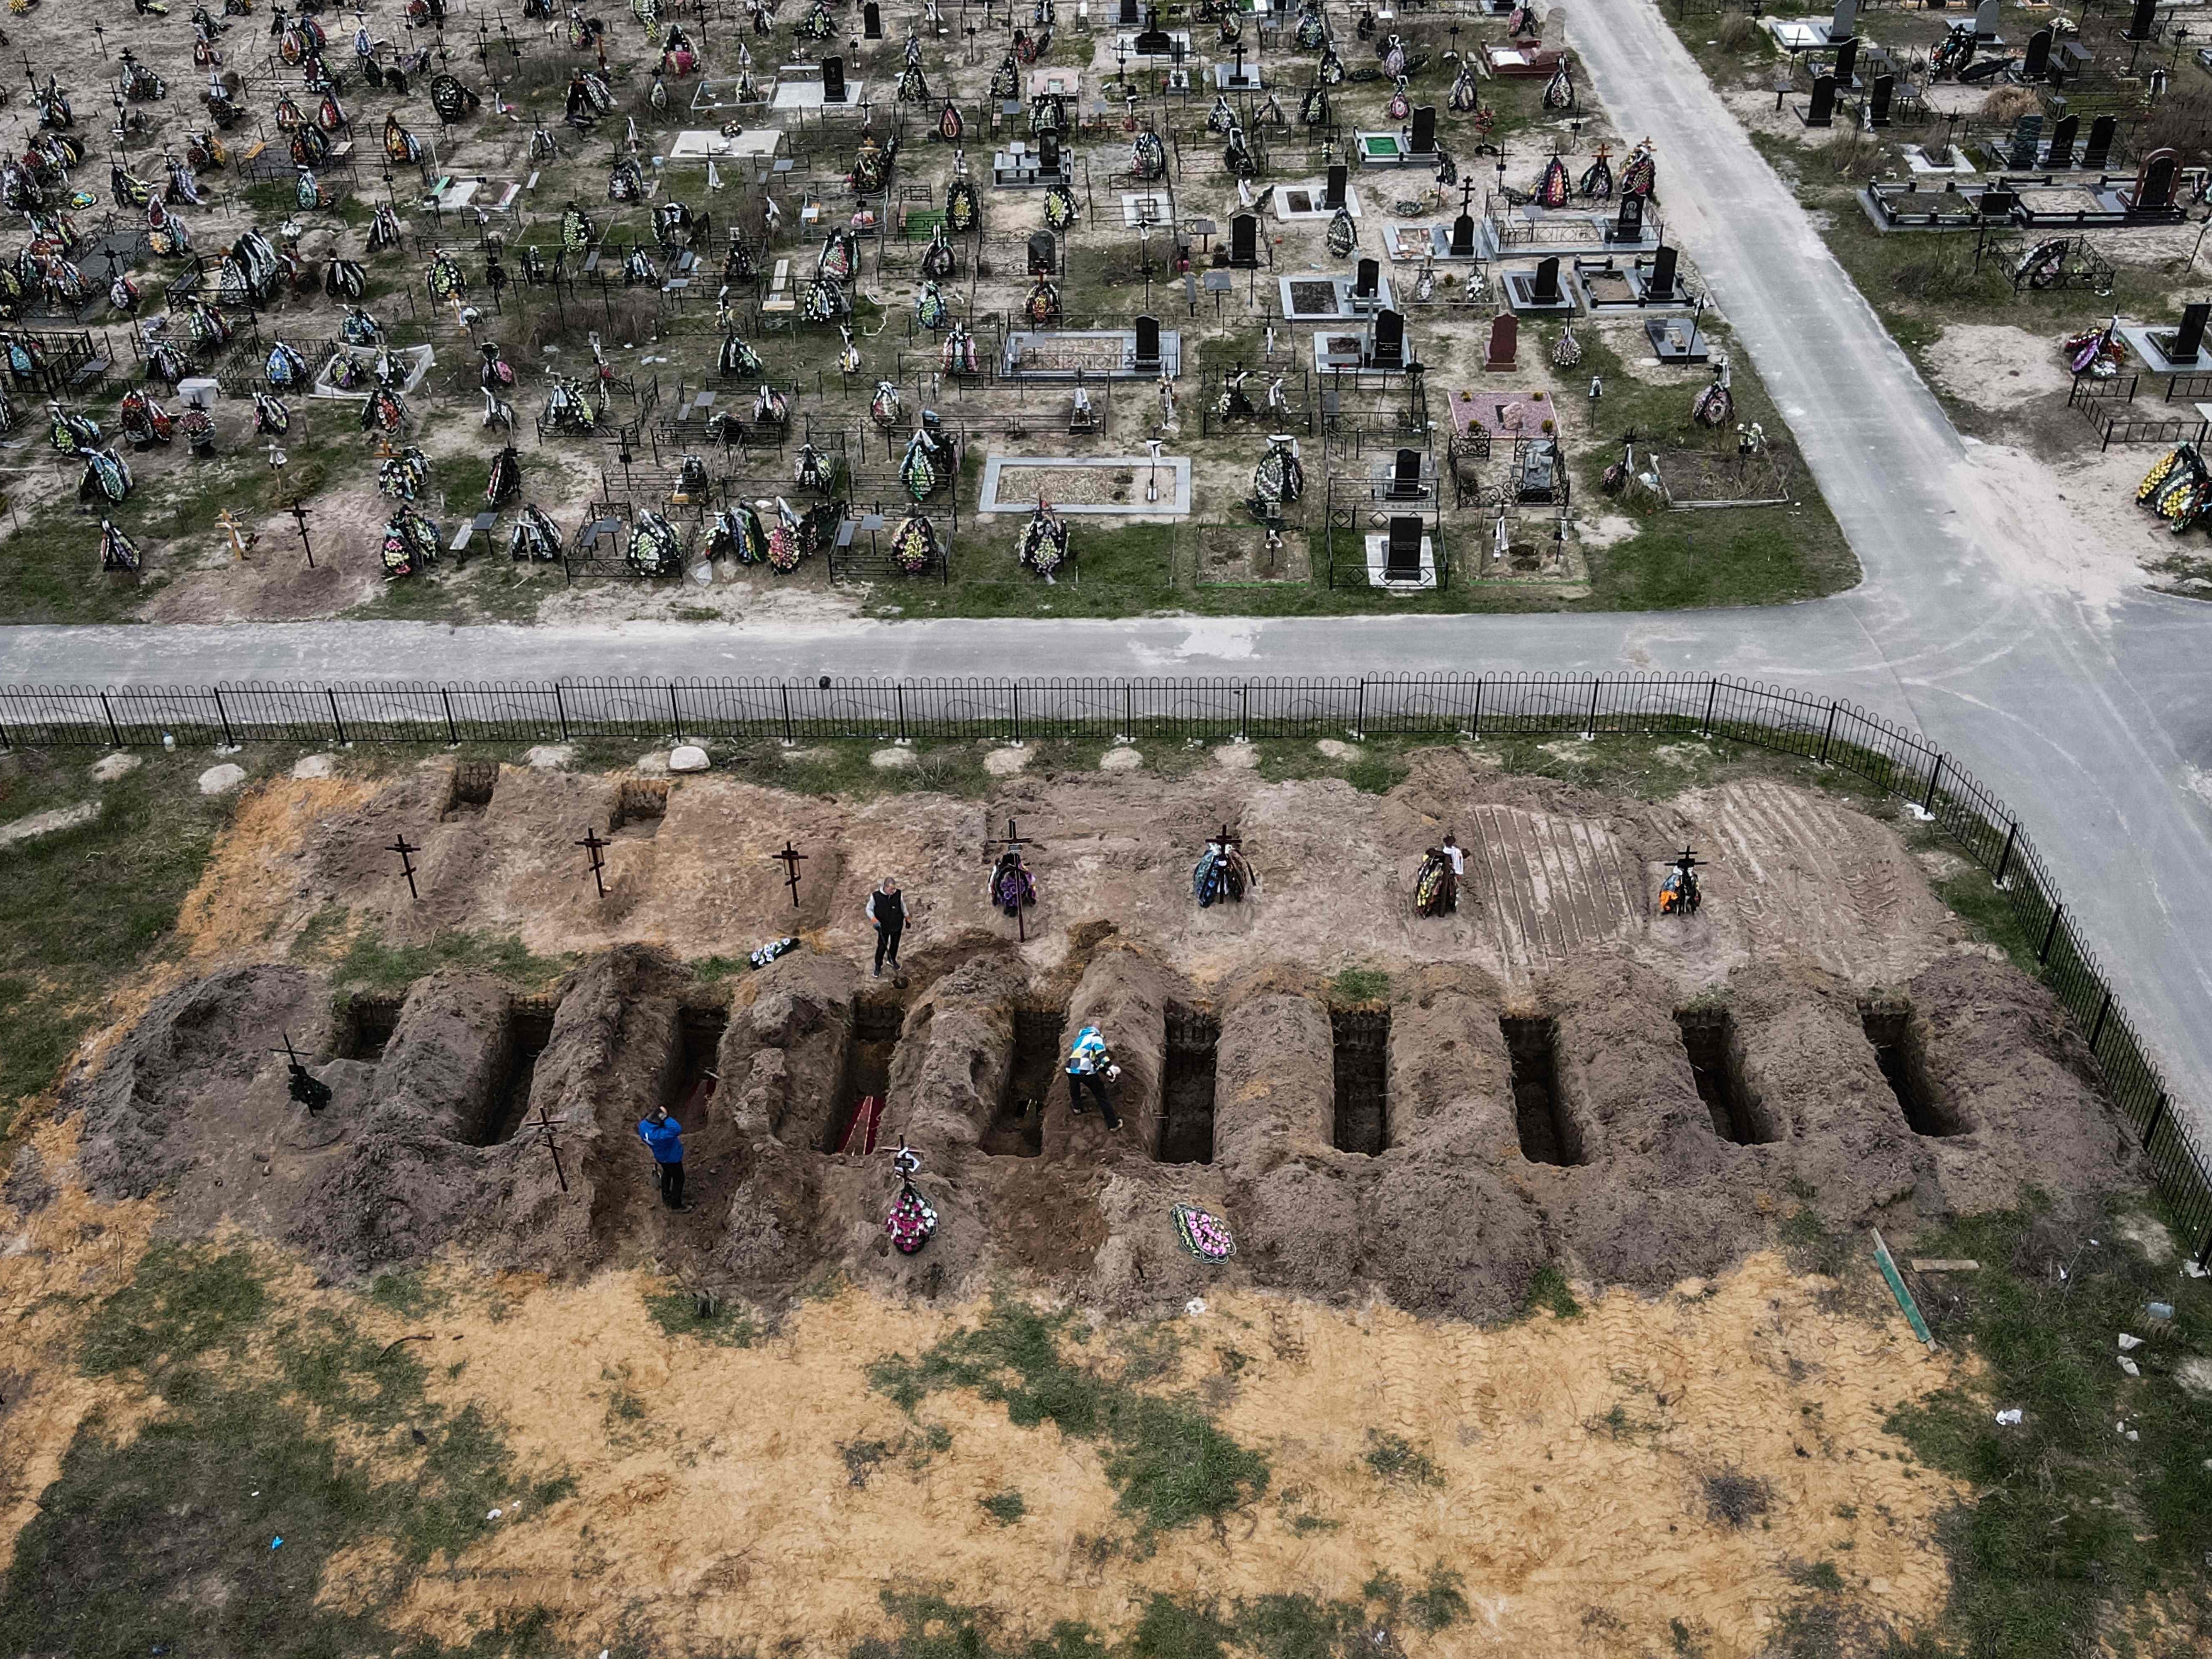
(1437, 1149)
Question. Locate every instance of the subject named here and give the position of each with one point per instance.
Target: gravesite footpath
(364, 1020)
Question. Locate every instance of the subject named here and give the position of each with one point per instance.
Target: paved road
(2090, 715)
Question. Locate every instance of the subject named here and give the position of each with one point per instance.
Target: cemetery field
(687, 315)
(1571, 1340)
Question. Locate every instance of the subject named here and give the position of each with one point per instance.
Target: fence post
(336, 720)
(2205, 1250)
(1828, 736)
(2004, 859)
(788, 739)
(2157, 1112)
(1016, 685)
(113, 731)
(1927, 800)
(6, 742)
(1589, 724)
(1474, 727)
(1712, 691)
(676, 711)
(2049, 929)
(2096, 1027)
(560, 709)
(223, 715)
(453, 733)
(1128, 712)
(1359, 716)
(902, 739)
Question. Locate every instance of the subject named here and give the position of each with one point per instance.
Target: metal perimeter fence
(1829, 733)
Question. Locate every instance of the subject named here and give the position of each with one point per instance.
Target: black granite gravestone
(1401, 550)
(2062, 143)
(1148, 342)
(1389, 342)
(1244, 241)
(1333, 189)
(1152, 40)
(1126, 17)
(1662, 285)
(1405, 474)
(872, 22)
(2153, 192)
(1546, 290)
(2144, 21)
(2037, 63)
(1425, 131)
(1366, 280)
(1878, 100)
(1463, 237)
(2026, 143)
(2188, 342)
(1847, 63)
(1049, 154)
(1822, 111)
(833, 80)
(1628, 223)
(2099, 149)
(1845, 23)
(1043, 261)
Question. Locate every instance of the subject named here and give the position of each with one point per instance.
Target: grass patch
(1549, 1292)
(682, 1313)
(89, 908)
(2071, 1521)
(1004, 1507)
(1392, 1457)
(1171, 1465)
(168, 1543)
(372, 964)
(1360, 985)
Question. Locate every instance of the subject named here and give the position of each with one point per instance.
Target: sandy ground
(1571, 1458)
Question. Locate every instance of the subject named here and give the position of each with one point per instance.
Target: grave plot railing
(1825, 731)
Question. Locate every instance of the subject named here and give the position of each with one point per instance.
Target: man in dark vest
(887, 909)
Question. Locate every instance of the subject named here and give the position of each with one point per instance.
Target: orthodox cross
(543, 1128)
(300, 519)
(791, 857)
(406, 851)
(595, 848)
(1227, 840)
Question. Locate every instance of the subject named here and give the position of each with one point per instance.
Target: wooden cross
(300, 517)
(1012, 843)
(595, 848)
(545, 1127)
(791, 857)
(240, 537)
(1227, 840)
(406, 852)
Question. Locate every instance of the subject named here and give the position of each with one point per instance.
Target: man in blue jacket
(664, 1138)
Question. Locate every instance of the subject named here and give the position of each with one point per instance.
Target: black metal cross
(545, 1127)
(791, 857)
(406, 851)
(1227, 840)
(595, 848)
(300, 517)
(304, 1086)
(1012, 843)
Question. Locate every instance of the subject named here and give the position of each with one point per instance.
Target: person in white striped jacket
(1090, 1065)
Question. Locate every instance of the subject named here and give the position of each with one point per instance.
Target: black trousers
(1075, 1082)
(887, 941)
(672, 1184)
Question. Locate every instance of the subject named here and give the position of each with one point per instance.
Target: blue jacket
(1088, 1050)
(665, 1137)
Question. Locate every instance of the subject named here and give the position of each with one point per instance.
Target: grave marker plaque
(2037, 63)
(1505, 342)
(1463, 237)
(1148, 342)
(1822, 111)
(1244, 241)
(2189, 340)
(833, 80)
(2062, 143)
(1885, 87)
(1389, 342)
(1662, 286)
(1402, 551)
(2099, 149)
(872, 22)
(1340, 177)
(1424, 129)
